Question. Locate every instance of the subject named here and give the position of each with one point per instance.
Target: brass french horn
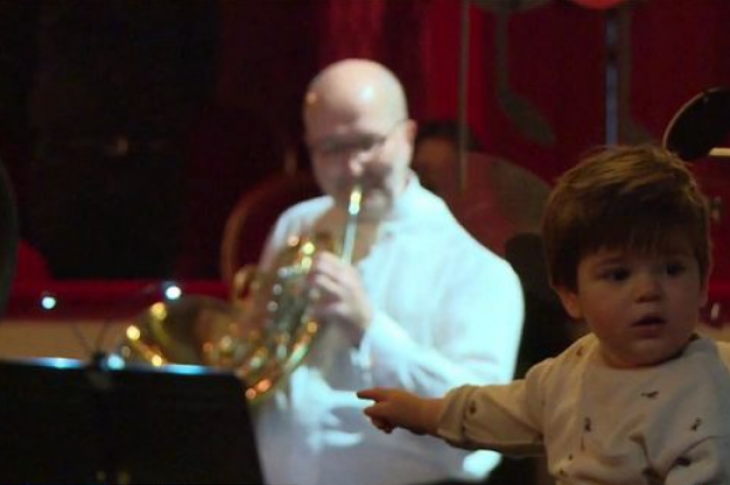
(262, 334)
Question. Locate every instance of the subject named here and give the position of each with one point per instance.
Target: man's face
(642, 308)
(360, 145)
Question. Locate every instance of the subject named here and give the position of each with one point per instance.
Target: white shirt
(667, 424)
(446, 312)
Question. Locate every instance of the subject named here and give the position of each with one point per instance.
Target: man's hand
(340, 296)
(394, 408)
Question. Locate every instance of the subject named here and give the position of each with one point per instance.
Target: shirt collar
(414, 202)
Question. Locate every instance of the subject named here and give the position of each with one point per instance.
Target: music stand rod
(720, 152)
(463, 94)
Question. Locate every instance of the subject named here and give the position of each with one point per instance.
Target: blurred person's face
(642, 308)
(361, 144)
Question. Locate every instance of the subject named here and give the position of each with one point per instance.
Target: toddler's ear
(704, 290)
(570, 302)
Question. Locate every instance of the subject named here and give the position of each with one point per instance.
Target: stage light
(173, 291)
(58, 362)
(115, 362)
(48, 302)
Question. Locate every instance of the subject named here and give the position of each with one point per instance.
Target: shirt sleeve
(505, 418)
(476, 337)
(706, 463)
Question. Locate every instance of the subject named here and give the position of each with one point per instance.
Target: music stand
(9, 236)
(65, 422)
(700, 126)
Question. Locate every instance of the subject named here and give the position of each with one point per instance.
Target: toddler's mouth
(650, 320)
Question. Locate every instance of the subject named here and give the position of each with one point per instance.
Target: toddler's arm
(706, 462)
(394, 408)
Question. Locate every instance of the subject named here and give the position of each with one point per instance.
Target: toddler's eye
(616, 274)
(674, 268)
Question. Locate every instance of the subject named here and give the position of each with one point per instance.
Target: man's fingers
(329, 267)
(327, 287)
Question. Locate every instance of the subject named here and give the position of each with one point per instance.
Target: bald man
(421, 305)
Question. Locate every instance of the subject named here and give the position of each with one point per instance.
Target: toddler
(642, 398)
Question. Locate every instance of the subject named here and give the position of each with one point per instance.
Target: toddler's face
(642, 308)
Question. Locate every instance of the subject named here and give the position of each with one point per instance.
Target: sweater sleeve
(706, 463)
(504, 418)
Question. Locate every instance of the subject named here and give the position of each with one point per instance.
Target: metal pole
(463, 94)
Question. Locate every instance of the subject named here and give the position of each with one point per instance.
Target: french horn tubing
(262, 334)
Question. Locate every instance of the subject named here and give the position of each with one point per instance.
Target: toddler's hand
(394, 408)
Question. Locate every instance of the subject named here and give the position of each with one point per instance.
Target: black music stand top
(700, 125)
(9, 237)
(62, 421)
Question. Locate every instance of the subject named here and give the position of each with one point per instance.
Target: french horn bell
(261, 335)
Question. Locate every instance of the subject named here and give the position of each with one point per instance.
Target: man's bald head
(348, 87)
(358, 132)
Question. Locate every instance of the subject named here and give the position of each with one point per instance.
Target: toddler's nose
(648, 287)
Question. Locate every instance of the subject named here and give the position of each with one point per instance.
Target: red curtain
(556, 56)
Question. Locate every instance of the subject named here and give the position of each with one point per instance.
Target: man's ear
(411, 130)
(570, 301)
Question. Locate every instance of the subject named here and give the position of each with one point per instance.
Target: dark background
(130, 129)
